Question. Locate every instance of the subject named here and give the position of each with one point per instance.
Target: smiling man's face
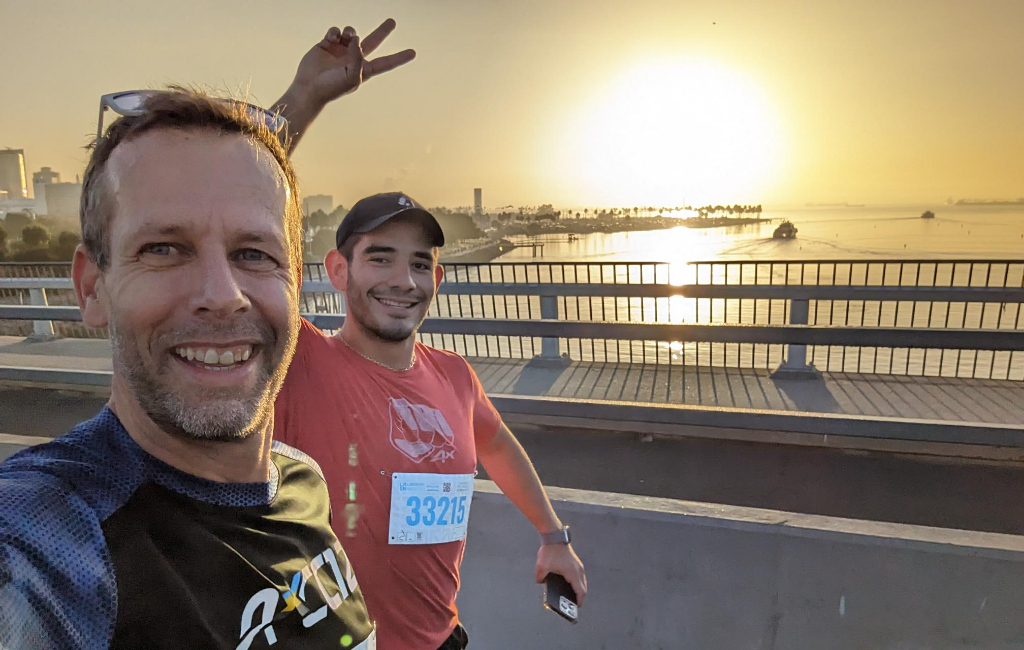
(391, 279)
(200, 293)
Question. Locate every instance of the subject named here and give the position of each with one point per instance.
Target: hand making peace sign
(335, 66)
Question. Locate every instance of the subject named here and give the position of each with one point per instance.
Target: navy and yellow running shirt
(104, 546)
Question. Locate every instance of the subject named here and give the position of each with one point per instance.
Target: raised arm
(335, 66)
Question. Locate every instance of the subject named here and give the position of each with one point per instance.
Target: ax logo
(420, 432)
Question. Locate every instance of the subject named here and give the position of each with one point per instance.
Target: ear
(438, 276)
(89, 289)
(337, 269)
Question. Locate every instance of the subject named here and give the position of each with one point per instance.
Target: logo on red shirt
(420, 432)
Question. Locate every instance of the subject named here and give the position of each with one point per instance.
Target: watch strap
(556, 537)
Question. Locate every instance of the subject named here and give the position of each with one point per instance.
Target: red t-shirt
(354, 418)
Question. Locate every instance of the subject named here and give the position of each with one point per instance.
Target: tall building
(478, 200)
(45, 176)
(62, 199)
(12, 173)
(40, 180)
(324, 202)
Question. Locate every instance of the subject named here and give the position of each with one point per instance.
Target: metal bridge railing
(60, 293)
(840, 308)
(884, 348)
(982, 295)
(911, 295)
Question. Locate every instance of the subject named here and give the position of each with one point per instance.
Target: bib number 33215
(429, 508)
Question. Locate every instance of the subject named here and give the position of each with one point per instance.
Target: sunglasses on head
(133, 102)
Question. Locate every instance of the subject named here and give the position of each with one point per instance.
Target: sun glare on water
(672, 132)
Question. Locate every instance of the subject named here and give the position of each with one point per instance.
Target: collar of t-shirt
(368, 364)
(195, 487)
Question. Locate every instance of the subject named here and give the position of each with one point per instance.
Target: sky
(572, 102)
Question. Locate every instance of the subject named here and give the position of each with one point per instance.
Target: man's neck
(395, 355)
(243, 461)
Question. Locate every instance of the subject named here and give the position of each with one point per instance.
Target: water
(967, 232)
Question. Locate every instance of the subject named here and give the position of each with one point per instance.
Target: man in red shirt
(398, 428)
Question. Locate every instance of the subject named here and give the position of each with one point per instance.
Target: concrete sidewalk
(927, 398)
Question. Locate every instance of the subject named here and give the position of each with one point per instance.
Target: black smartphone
(560, 598)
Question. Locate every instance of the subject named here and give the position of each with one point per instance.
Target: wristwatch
(557, 537)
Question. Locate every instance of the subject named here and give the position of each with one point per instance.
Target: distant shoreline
(974, 203)
(489, 250)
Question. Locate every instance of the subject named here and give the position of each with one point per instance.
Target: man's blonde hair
(183, 109)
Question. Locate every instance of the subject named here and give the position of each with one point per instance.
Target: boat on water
(927, 214)
(785, 230)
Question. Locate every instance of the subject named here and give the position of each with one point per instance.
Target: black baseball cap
(373, 211)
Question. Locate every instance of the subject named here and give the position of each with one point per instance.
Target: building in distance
(45, 176)
(322, 202)
(40, 180)
(61, 199)
(12, 174)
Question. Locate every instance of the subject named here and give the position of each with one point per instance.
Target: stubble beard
(219, 415)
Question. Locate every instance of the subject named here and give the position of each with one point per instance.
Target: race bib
(429, 508)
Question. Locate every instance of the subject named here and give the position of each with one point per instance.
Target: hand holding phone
(560, 598)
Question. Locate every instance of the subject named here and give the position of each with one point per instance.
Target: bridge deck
(924, 490)
(932, 398)
(963, 400)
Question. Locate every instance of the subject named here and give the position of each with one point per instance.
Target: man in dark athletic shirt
(171, 519)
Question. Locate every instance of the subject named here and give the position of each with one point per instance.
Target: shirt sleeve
(57, 584)
(486, 419)
(298, 379)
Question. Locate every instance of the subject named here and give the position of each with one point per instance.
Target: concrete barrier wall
(674, 574)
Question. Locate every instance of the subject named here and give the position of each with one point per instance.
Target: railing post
(794, 365)
(549, 311)
(41, 329)
(549, 356)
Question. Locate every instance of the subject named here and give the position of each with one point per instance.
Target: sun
(670, 132)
